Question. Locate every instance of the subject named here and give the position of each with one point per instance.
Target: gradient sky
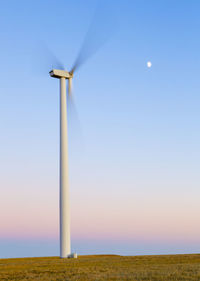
(134, 165)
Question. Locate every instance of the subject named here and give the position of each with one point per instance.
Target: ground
(103, 267)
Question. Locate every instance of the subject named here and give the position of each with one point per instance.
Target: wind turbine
(64, 206)
(87, 50)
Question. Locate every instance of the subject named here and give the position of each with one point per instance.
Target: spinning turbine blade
(70, 87)
(71, 105)
(74, 122)
(52, 60)
(100, 30)
(47, 60)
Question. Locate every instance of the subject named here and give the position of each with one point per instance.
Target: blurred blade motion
(103, 25)
(70, 87)
(47, 60)
(55, 62)
(101, 28)
(74, 122)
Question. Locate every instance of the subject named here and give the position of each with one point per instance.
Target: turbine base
(71, 256)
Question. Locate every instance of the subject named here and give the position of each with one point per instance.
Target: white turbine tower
(65, 244)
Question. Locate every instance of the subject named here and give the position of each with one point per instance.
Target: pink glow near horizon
(33, 213)
(125, 223)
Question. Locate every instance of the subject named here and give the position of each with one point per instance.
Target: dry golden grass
(103, 267)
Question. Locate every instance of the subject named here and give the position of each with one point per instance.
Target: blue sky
(134, 166)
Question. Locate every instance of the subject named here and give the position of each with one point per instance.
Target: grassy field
(93, 268)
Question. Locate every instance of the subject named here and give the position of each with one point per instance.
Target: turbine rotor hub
(57, 73)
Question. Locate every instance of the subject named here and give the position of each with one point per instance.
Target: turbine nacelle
(57, 73)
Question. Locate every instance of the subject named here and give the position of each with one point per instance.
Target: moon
(149, 64)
